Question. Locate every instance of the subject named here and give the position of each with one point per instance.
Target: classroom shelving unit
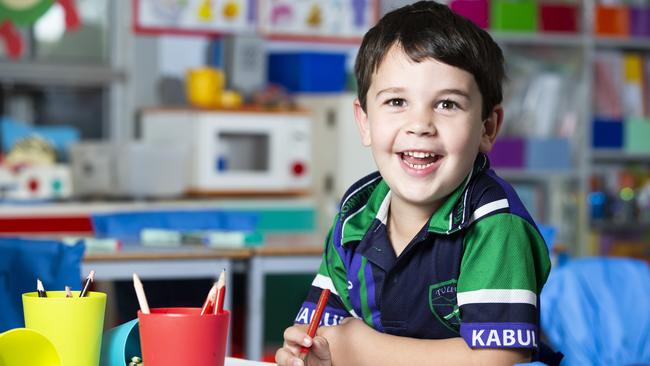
(564, 189)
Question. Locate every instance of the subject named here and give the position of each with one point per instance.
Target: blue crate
(308, 71)
(607, 133)
(548, 154)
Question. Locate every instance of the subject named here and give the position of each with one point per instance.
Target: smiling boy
(433, 259)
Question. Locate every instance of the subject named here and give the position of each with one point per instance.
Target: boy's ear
(361, 117)
(491, 126)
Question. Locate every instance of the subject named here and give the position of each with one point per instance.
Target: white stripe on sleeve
(324, 282)
(497, 296)
(487, 208)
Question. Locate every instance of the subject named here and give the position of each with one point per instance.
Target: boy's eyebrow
(458, 92)
(389, 90)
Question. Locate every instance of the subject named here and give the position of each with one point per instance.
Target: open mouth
(419, 160)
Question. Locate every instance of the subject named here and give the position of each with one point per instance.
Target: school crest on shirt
(443, 304)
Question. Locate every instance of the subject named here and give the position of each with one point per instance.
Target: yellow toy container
(204, 86)
(21, 346)
(74, 325)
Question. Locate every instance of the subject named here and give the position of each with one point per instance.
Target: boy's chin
(421, 197)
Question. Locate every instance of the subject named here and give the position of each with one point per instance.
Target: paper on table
(230, 361)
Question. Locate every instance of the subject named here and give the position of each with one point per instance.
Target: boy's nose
(421, 125)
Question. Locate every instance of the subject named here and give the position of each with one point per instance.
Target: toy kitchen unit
(238, 151)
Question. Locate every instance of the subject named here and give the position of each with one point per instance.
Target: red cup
(182, 336)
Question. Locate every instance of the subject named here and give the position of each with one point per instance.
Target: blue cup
(121, 343)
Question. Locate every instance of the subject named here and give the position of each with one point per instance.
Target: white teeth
(418, 154)
(418, 166)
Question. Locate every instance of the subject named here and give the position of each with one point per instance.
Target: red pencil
(221, 293)
(208, 305)
(315, 320)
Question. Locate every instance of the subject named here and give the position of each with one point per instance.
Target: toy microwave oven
(238, 151)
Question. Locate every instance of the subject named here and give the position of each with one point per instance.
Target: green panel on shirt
(357, 224)
(332, 266)
(365, 309)
(503, 251)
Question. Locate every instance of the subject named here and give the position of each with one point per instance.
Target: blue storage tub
(308, 71)
(607, 133)
(548, 154)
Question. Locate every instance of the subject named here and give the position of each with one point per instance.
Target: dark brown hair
(427, 30)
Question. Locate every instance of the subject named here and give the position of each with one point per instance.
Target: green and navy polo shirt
(475, 270)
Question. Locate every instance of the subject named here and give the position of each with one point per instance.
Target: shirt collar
(451, 216)
(358, 223)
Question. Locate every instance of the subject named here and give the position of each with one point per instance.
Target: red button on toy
(33, 185)
(298, 168)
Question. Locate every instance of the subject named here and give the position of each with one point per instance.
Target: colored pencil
(89, 279)
(315, 320)
(139, 292)
(208, 305)
(40, 289)
(221, 293)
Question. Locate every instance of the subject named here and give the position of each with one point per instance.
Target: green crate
(287, 220)
(283, 220)
(636, 135)
(513, 15)
(284, 296)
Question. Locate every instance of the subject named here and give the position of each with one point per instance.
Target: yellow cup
(204, 86)
(230, 99)
(74, 325)
(22, 346)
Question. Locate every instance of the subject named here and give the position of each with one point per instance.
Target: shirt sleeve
(331, 275)
(504, 266)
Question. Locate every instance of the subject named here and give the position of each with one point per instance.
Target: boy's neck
(405, 221)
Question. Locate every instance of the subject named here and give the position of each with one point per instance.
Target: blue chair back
(22, 261)
(597, 311)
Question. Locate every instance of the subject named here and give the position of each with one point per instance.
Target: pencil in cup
(87, 282)
(220, 296)
(214, 301)
(315, 320)
(139, 292)
(208, 305)
(40, 288)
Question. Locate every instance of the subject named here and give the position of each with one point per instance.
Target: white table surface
(230, 361)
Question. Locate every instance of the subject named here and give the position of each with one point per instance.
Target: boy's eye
(447, 104)
(396, 102)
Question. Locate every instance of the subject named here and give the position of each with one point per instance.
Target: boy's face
(423, 123)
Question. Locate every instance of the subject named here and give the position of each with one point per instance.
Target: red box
(558, 18)
(612, 20)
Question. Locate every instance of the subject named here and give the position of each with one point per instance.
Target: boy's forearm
(375, 348)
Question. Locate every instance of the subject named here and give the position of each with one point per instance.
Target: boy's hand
(294, 338)
(342, 350)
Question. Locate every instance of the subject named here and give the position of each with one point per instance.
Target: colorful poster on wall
(314, 19)
(194, 16)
